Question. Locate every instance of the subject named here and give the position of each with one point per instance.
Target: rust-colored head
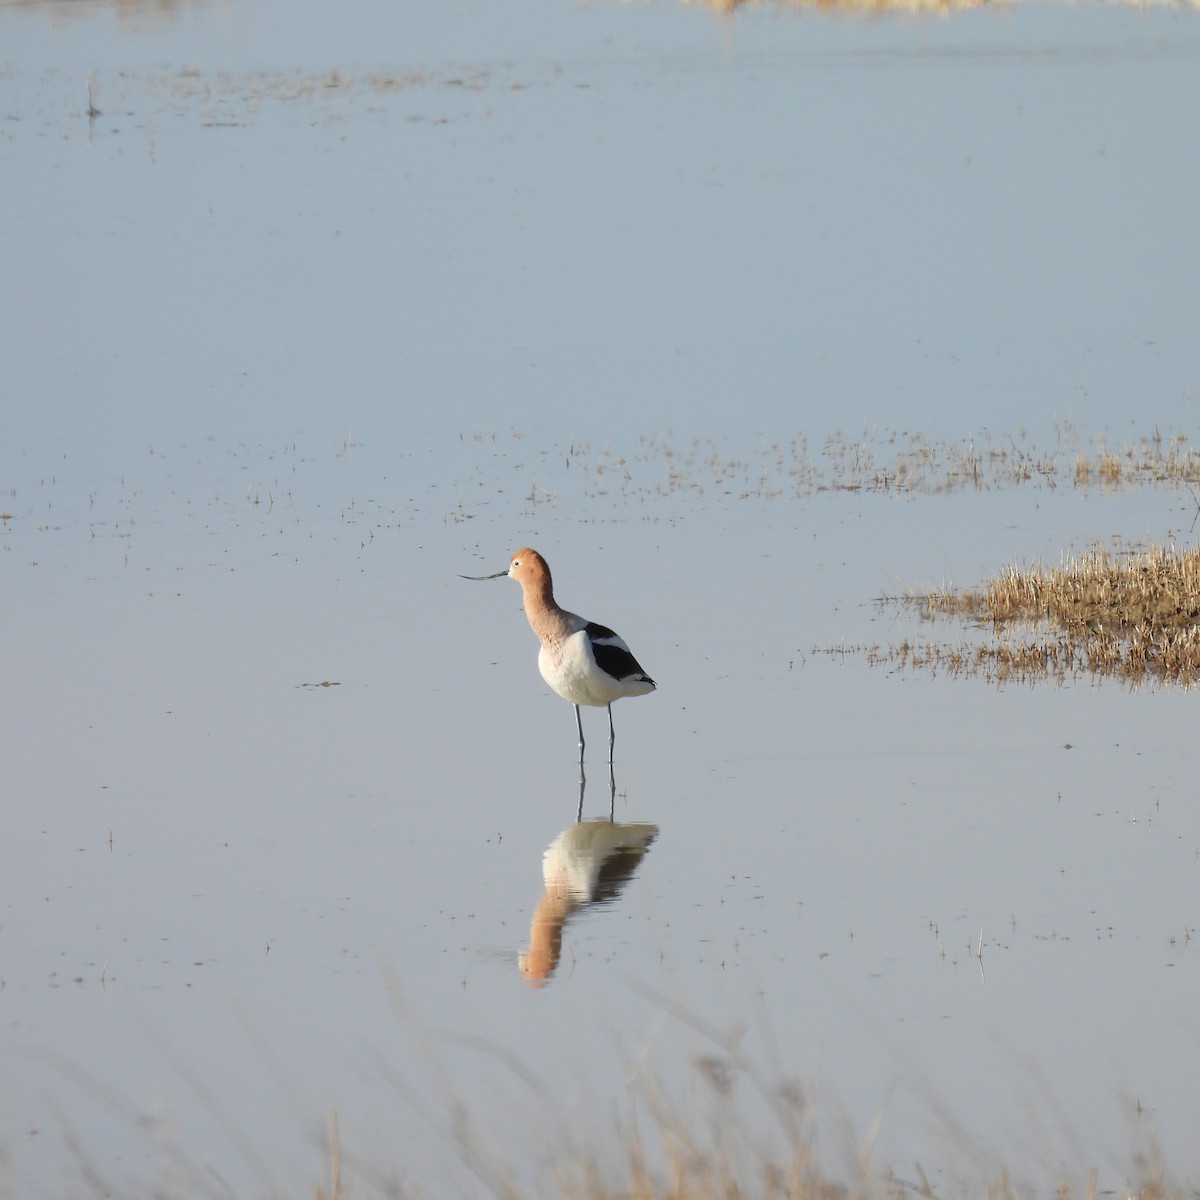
(529, 569)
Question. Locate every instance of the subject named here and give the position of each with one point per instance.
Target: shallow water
(287, 351)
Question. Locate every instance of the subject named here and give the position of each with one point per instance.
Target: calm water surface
(319, 313)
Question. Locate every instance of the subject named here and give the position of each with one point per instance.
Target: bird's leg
(612, 735)
(612, 794)
(582, 787)
(579, 722)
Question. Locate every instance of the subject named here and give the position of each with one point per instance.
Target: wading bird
(583, 662)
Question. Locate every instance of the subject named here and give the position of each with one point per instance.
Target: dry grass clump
(1132, 616)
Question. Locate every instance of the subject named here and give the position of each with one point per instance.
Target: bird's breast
(569, 667)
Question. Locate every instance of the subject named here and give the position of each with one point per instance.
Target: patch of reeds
(1130, 616)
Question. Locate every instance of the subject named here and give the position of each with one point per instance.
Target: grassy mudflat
(1131, 616)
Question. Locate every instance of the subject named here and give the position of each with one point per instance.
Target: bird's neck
(546, 619)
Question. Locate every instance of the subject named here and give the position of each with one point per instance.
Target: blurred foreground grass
(730, 1152)
(894, 6)
(727, 1129)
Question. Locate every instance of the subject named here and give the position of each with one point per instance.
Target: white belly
(572, 672)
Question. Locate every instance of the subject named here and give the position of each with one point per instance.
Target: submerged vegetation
(884, 462)
(1132, 616)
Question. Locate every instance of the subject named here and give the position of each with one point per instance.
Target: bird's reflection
(588, 863)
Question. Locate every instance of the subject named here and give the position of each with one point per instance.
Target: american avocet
(583, 662)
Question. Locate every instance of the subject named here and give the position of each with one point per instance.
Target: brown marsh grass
(1130, 616)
